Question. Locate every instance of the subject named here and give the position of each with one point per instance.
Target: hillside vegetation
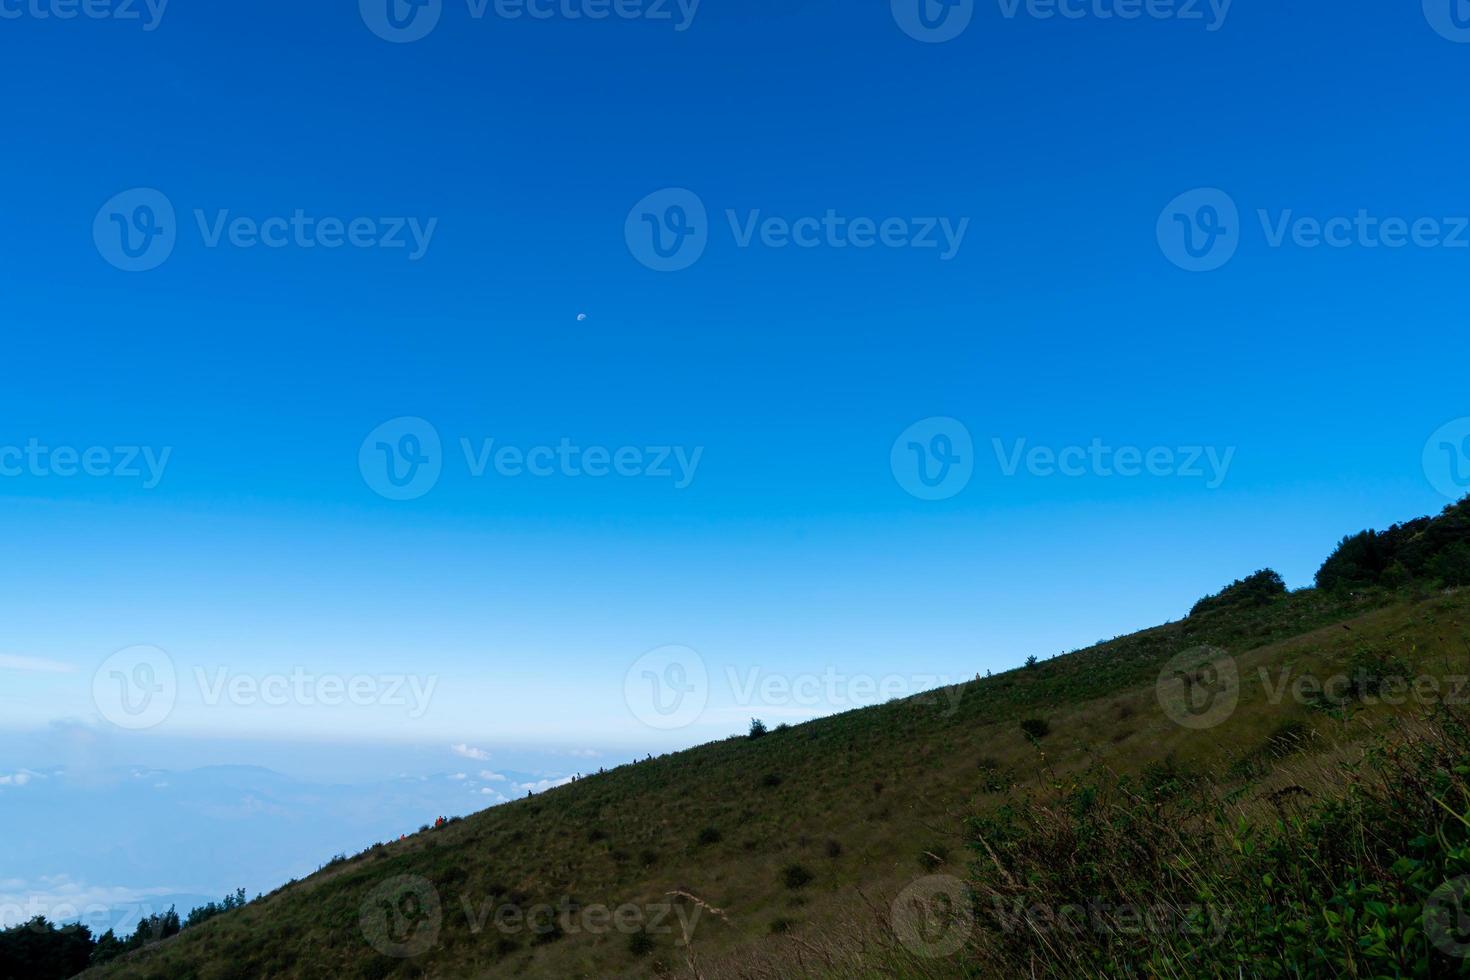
(1279, 778)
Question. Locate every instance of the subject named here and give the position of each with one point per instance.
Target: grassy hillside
(783, 855)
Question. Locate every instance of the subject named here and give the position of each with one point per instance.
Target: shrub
(1258, 589)
(757, 728)
(795, 876)
(640, 944)
(1030, 661)
(1338, 885)
(771, 780)
(1035, 728)
(710, 835)
(834, 849)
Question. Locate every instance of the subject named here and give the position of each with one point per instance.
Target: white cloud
(491, 777)
(19, 778)
(544, 785)
(459, 775)
(35, 665)
(470, 752)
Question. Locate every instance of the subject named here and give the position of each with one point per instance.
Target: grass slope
(748, 857)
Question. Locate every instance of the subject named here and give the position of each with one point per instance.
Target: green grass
(769, 850)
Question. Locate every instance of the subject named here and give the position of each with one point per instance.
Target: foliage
(1431, 549)
(1035, 727)
(42, 950)
(1178, 881)
(1257, 589)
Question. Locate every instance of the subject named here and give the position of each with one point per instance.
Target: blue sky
(519, 148)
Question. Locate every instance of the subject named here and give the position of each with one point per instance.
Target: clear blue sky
(794, 549)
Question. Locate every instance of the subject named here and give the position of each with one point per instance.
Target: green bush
(1036, 728)
(1348, 883)
(796, 876)
(1253, 590)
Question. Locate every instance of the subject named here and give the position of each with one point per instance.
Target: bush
(1035, 728)
(44, 951)
(1341, 885)
(834, 849)
(710, 835)
(757, 728)
(771, 780)
(795, 876)
(1432, 549)
(1258, 589)
(640, 944)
